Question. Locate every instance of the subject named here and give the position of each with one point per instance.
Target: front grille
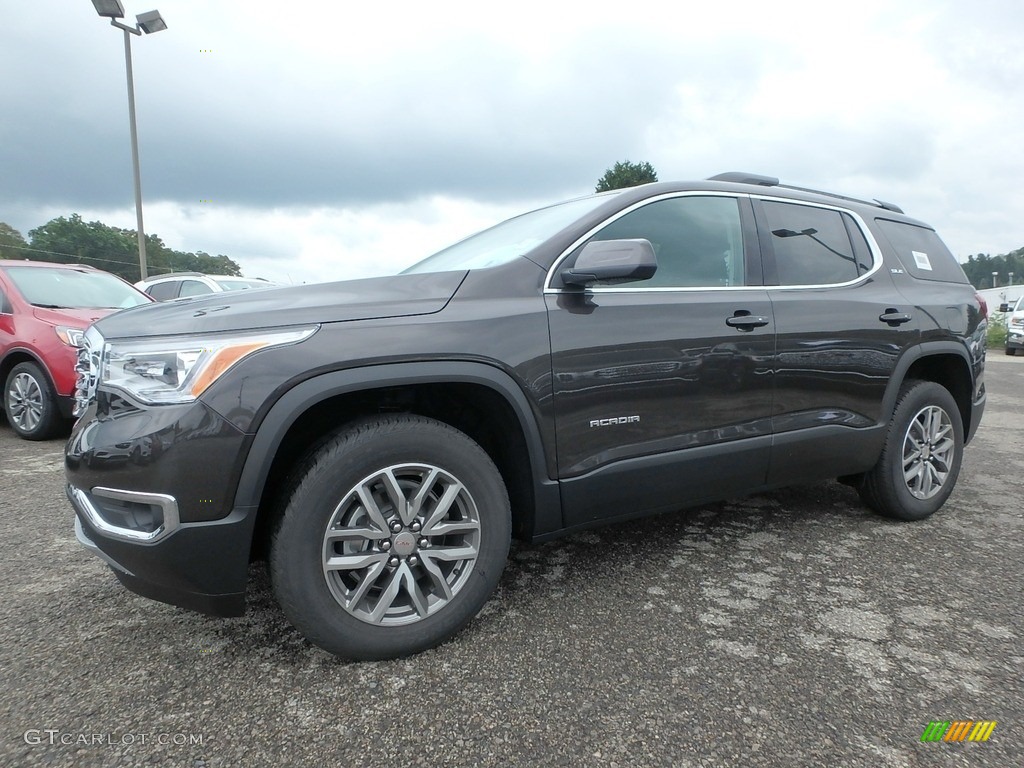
(87, 370)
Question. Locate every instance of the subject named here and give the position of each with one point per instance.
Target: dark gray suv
(380, 441)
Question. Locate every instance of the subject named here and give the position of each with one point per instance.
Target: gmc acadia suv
(379, 441)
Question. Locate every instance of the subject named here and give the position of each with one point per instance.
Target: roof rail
(739, 177)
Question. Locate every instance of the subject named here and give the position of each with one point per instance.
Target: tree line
(979, 269)
(72, 240)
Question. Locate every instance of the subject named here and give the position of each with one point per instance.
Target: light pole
(148, 22)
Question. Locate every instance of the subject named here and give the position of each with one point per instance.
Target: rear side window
(812, 245)
(921, 252)
(194, 288)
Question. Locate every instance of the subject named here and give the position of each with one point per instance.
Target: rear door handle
(894, 317)
(744, 321)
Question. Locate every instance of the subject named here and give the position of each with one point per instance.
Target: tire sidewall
(297, 551)
(49, 418)
(919, 397)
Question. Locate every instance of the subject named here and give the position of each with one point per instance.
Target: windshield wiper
(50, 306)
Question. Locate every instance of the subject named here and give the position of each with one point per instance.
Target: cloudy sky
(341, 139)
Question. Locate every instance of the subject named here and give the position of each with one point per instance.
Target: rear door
(841, 326)
(662, 387)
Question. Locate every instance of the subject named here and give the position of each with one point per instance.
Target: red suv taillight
(984, 305)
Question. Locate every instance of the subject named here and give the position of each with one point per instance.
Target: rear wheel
(921, 459)
(395, 533)
(30, 403)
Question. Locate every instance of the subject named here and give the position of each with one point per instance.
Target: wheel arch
(23, 355)
(943, 362)
(317, 407)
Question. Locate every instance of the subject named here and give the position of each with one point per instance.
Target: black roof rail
(889, 206)
(739, 177)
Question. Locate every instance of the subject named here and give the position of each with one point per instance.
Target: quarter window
(812, 246)
(698, 240)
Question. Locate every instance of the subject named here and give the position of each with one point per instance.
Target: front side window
(812, 245)
(698, 241)
(164, 291)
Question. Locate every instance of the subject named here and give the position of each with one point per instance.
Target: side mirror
(603, 261)
(1004, 307)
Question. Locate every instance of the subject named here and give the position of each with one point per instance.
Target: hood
(371, 298)
(79, 318)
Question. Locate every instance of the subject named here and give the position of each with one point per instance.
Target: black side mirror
(603, 261)
(1004, 307)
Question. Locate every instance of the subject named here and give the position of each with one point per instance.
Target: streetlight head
(150, 21)
(112, 9)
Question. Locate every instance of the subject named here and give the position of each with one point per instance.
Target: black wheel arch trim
(922, 351)
(273, 428)
(34, 359)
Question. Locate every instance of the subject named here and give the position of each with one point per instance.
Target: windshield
(69, 288)
(506, 241)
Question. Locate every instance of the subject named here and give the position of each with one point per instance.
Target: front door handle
(894, 317)
(744, 321)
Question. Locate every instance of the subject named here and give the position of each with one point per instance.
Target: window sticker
(922, 260)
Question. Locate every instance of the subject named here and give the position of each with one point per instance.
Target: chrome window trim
(876, 252)
(168, 504)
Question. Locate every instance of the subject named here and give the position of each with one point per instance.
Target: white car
(1014, 325)
(178, 285)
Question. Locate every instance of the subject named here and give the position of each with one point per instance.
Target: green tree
(12, 243)
(66, 240)
(626, 174)
(116, 250)
(979, 268)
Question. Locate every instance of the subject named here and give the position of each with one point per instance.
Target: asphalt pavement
(792, 628)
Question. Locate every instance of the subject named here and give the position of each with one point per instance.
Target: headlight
(1017, 321)
(70, 336)
(180, 369)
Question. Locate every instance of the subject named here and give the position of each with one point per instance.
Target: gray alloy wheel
(393, 534)
(929, 448)
(401, 544)
(29, 402)
(920, 461)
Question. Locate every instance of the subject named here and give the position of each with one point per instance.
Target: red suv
(44, 309)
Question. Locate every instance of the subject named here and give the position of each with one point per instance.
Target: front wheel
(921, 459)
(1011, 351)
(30, 403)
(395, 533)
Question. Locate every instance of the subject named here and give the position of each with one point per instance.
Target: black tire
(1011, 351)
(30, 403)
(333, 608)
(886, 487)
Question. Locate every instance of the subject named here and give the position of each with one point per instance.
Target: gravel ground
(786, 629)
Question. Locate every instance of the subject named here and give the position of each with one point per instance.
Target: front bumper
(1015, 338)
(153, 492)
(199, 566)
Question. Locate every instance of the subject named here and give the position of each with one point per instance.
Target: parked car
(1014, 325)
(622, 354)
(44, 310)
(181, 284)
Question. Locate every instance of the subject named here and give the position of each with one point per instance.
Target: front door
(663, 387)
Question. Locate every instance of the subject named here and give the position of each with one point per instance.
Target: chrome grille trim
(87, 370)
